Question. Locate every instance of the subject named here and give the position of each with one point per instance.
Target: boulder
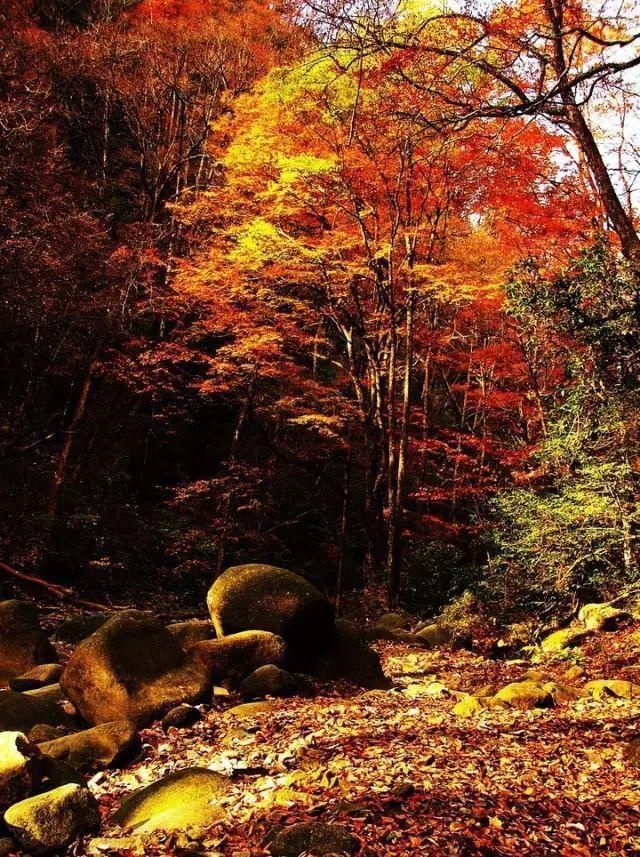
(349, 657)
(187, 634)
(51, 821)
(435, 635)
(469, 706)
(20, 712)
(525, 695)
(602, 617)
(181, 717)
(131, 669)
(617, 688)
(23, 643)
(234, 657)
(105, 746)
(79, 626)
(8, 846)
(17, 768)
(269, 680)
(565, 638)
(50, 693)
(562, 692)
(265, 598)
(183, 800)
(312, 837)
(41, 732)
(54, 773)
(40, 676)
(392, 622)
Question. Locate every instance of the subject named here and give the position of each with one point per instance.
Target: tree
(548, 59)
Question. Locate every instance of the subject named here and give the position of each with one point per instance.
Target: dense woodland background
(354, 295)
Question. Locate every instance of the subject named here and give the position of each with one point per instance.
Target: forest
(319, 427)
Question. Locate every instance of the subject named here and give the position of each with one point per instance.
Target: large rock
(41, 676)
(51, 821)
(265, 598)
(181, 717)
(349, 657)
(602, 617)
(565, 638)
(22, 711)
(23, 643)
(106, 746)
(184, 801)
(131, 669)
(187, 634)
(234, 657)
(269, 680)
(469, 706)
(79, 626)
(435, 635)
(312, 837)
(17, 768)
(392, 622)
(617, 688)
(525, 695)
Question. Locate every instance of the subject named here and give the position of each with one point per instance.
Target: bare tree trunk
(62, 462)
(620, 220)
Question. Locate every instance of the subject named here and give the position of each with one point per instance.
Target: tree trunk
(62, 462)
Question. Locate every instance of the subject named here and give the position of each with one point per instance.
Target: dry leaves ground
(406, 775)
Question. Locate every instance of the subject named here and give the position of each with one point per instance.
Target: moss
(265, 598)
(565, 638)
(179, 801)
(525, 695)
(51, 821)
(602, 688)
(103, 746)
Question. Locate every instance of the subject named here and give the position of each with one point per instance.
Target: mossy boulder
(131, 669)
(51, 693)
(181, 717)
(435, 635)
(392, 622)
(23, 643)
(266, 598)
(349, 657)
(312, 837)
(105, 746)
(565, 638)
(563, 692)
(40, 676)
(17, 768)
(602, 617)
(234, 657)
(20, 712)
(79, 626)
(525, 695)
(249, 710)
(184, 801)
(617, 688)
(471, 706)
(52, 820)
(187, 634)
(268, 680)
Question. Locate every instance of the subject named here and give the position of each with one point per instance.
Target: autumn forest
(320, 379)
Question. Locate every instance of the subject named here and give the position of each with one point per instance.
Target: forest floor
(406, 775)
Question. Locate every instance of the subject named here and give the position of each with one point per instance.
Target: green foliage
(572, 531)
